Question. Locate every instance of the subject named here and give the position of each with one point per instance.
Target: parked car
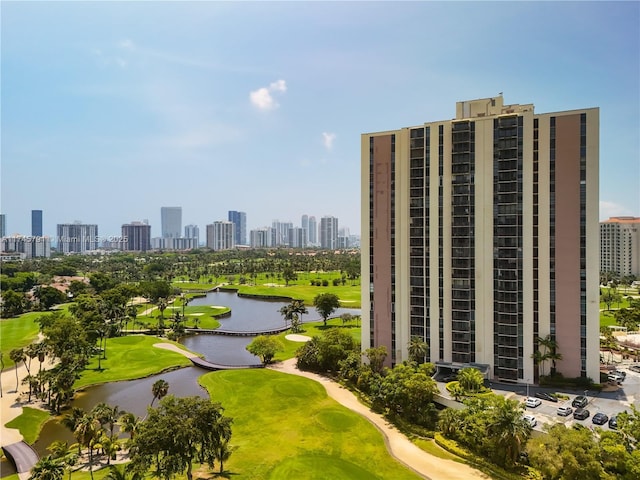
(622, 373)
(564, 411)
(546, 396)
(580, 401)
(615, 378)
(532, 402)
(581, 414)
(635, 368)
(600, 418)
(531, 420)
(613, 422)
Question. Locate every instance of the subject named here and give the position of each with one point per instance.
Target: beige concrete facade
(620, 246)
(443, 205)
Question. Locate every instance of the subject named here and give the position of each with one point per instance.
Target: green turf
(18, 332)
(314, 329)
(29, 423)
(349, 293)
(320, 438)
(131, 357)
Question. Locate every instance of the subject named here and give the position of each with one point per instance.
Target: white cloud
(262, 98)
(126, 44)
(611, 209)
(328, 139)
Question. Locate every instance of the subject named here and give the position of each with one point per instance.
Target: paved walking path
(399, 446)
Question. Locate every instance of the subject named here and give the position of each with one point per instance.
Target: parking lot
(608, 402)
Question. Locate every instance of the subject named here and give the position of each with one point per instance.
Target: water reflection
(132, 396)
(135, 395)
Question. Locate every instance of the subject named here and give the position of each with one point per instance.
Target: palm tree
(122, 472)
(71, 420)
(47, 468)
(222, 452)
(471, 379)
(287, 312)
(449, 422)
(129, 424)
(61, 451)
(510, 429)
(88, 431)
(159, 389)
(418, 349)
(106, 415)
(17, 356)
(299, 308)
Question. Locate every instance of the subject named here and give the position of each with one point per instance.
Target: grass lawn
(131, 357)
(202, 315)
(29, 423)
(18, 332)
(349, 294)
(323, 439)
(314, 329)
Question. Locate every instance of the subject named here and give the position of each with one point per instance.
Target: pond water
(135, 395)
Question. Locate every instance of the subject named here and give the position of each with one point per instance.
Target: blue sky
(111, 110)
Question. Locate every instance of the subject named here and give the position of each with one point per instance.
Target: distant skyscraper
(77, 237)
(36, 223)
(239, 220)
(297, 237)
(220, 235)
(27, 247)
(171, 222)
(261, 237)
(3, 225)
(136, 236)
(313, 231)
(192, 231)
(620, 246)
(280, 233)
(329, 232)
(305, 226)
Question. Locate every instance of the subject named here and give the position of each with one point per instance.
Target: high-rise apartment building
(3, 225)
(136, 236)
(239, 220)
(304, 223)
(313, 231)
(329, 232)
(220, 235)
(280, 233)
(620, 246)
(36, 223)
(77, 237)
(479, 235)
(171, 222)
(297, 237)
(192, 231)
(261, 237)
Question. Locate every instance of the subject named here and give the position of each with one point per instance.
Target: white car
(531, 420)
(532, 402)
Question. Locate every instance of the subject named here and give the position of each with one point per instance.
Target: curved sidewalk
(399, 446)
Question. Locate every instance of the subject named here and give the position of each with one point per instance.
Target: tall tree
(418, 349)
(47, 468)
(17, 356)
(326, 304)
(178, 433)
(160, 388)
(510, 430)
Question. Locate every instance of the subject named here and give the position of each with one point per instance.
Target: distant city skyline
(50, 228)
(118, 108)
